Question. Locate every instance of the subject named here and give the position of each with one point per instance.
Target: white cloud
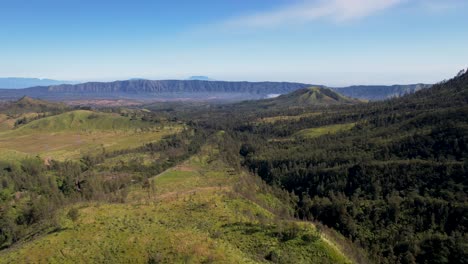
(309, 10)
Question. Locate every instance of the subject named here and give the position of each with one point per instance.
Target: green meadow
(76, 133)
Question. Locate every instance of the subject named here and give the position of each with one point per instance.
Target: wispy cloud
(441, 5)
(310, 10)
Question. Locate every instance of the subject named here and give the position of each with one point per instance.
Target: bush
(73, 214)
(288, 232)
(310, 237)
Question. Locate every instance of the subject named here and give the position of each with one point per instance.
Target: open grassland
(324, 130)
(7, 122)
(83, 121)
(72, 134)
(201, 211)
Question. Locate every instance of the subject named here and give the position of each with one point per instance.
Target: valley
(232, 132)
(307, 177)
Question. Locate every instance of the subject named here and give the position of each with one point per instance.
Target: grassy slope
(197, 212)
(72, 134)
(7, 122)
(323, 130)
(274, 119)
(30, 105)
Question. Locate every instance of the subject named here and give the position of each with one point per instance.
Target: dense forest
(395, 184)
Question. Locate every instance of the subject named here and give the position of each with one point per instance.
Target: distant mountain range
(194, 89)
(19, 83)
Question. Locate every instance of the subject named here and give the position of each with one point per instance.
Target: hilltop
(26, 110)
(27, 104)
(313, 96)
(307, 97)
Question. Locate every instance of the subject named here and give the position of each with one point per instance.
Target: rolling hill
(26, 110)
(74, 133)
(201, 211)
(27, 104)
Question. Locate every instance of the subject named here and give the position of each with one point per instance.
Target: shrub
(73, 214)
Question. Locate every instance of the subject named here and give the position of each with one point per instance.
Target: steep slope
(202, 211)
(393, 179)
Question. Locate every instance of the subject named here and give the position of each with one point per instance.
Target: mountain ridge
(192, 89)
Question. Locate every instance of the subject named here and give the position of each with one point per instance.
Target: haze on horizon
(336, 42)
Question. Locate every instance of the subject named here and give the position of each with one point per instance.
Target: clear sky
(331, 42)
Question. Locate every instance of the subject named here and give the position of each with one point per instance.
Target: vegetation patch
(73, 134)
(200, 211)
(324, 130)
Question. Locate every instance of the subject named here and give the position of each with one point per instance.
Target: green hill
(25, 110)
(75, 133)
(201, 211)
(82, 120)
(29, 105)
(313, 96)
(307, 97)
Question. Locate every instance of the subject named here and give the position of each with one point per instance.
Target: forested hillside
(380, 92)
(396, 183)
(391, 175)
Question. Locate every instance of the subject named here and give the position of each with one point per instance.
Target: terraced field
(201, 211)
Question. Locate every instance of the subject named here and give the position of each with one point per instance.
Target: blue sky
(332, 42)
